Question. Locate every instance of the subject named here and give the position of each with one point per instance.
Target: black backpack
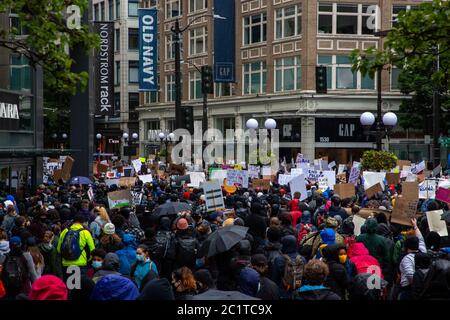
(186, 251)
(437, 281)
(164, 247)
(70, 247)
(15, 272)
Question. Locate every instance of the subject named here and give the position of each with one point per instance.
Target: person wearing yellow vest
(72, 253)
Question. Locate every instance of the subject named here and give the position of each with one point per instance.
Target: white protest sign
(296, 171)
(358, 222)
(219, 175)
(146, 178)
(427, 189)
(213, 194)
(331, 178)
(196, 179)
(436, 224)
(341, 168)
(419, 167)
(437, 171)
(411, 177)
(312, 175)
(110, 182)
(136, 197)
(303, 165)
(323, 183)
(406, 168)
(331, 165)
(298, 184)
(266, 171)
(372, 178)
(137, 164)
(283, 179)
(253, 171)
(354, 173)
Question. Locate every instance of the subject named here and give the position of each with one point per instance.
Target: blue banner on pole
(148, 49)
(224, 44)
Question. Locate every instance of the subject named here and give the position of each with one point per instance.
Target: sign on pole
(213, 195)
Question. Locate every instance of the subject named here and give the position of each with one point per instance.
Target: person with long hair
(100, 221)
(184, 283)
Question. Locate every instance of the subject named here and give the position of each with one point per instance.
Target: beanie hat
(228, 222)
(328, 236)
(48, 287)
(109, 228)
(182, 224)
(15, 241)
(8, 203)
(186, 195)
(412, 243)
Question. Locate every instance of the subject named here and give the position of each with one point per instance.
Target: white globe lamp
(252, 123)
(367, 119)
(390, 119)
(270, 124)
(125, 135)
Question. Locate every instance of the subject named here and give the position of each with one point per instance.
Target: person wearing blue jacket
(142, 266)
(127, 255)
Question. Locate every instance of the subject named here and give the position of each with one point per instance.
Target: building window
(133, 6)
(174, 8)
(152, 3)
(287, 74)
(110, 10)
(117, 74)
(133, 39)
(225, 124)
(340, 75)
(255, 75)
(133, 103)
(20, 73)
(395, 72)
(117, 9)
(171, 125)
(133, 71)
(117, 104)
(151, 97)
(196, 5)
(95, 12)
(255, 29)
(102, 11)
(117, 40)
(195, 85)
(170, 47)
(170, 88)
(14, 22)
(152, 129)
(224, 90)
(197, 41)
(334, 18)
(396, 9)
(288, 22)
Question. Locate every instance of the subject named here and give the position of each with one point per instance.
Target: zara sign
(9, 111)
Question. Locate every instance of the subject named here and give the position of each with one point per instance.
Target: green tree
(418, 38)
(47, 35)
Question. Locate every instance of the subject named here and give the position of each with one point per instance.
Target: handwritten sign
(354, 175)
(283, 179)
(137, 164)
(427, 189)
(136, 197)
(374, 190)
(253, 171)
(358, 222)
(344, 190)
(404, 210)
(341, 168)
(261, 183)
(323, 183)
(410, 190)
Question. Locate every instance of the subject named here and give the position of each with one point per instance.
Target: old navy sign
(148, 49)
(224, 50)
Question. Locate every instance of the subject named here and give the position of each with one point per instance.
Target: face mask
(140, 258)
(343, 258)
(97, 264)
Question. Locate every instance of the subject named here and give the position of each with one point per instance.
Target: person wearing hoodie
(111, 265)
(4, 243)
(272, 250)
(377, 246)
(363, 261)
(295, 209)
(48, 287)
(142, 266)
(336, 209)
(305, 226)
(328, 237)
(114, 287)
(338, 280)
(9, 220)
(289, 251)
(52, 260)
(127, 255)
(268, 289)
(314, 277)
(249, 282)
(158, 290)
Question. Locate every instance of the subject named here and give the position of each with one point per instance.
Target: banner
(261, 183)
(213, 194)
(104, 69)
(148, 49)
(121, 198)
(224, 49)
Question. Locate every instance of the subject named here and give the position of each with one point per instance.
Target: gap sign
(148, 49)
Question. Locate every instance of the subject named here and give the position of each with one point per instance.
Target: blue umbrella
(80, 180)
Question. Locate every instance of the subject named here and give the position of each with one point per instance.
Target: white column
(308, 138)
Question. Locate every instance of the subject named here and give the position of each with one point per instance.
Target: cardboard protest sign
(196, 179)
(374, 190)
(392, 178)
(136, 197)
(110, 182)
(427, 189)
(146, 178)
(57, 174)
(261, 183)
(404, 210)
(102, 168)
(137, 165)
(127, 181)
(410, 190)
(67, 168)
(298, 184)
(358, 223)
(213, 196)
(402, 163)
(118, 199)
(283, 179)
(372, 178)
(443, 195)
(344, 190)
(436, 224)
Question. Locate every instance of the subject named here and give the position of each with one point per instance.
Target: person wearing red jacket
(363, 261)
(295, 210)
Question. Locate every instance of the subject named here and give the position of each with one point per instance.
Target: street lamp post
(384, 124)
(166, 139)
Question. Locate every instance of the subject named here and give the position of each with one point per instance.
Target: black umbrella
(171, 208)
(222, 240)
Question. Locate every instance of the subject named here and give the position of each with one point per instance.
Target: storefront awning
(20, 152)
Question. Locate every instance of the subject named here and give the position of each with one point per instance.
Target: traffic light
(321, 79)
(207, 80)
(187, 118)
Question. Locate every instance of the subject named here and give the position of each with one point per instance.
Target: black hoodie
(157, 289)
(337, 280)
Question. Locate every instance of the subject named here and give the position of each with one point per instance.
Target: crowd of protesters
(293, 249)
